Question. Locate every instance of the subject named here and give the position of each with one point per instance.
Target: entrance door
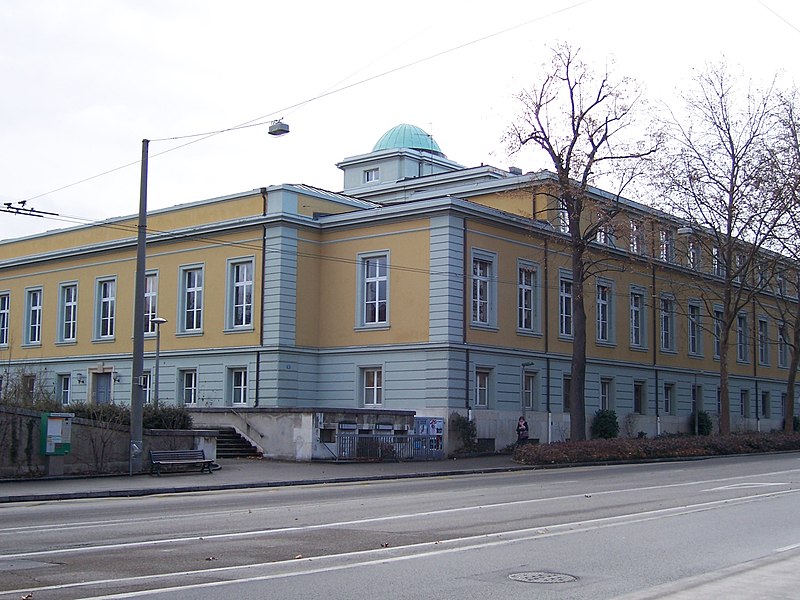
(102, 388)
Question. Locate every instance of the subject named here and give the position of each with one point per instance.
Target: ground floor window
(189, 387)
(482, 387)
(239, 386)
(373, 386)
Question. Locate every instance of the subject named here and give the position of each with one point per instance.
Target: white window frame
(694, 329)
(717, 325)
(241, 289)
(482, 386)
(744, 402)
(642, 387)
(33, 316)
(371, 175)
(189, 387)
(372, 386)
(192, 282)
(666, 246)
(694, 254)
(105, 308)
(637, 318)
(484, 289)
(527, 297)
(667, 321)
(562, 217)
(64, 389)
(604, 311)
(150, 302)
(763, 341)
(238, 386)
(669, 398)
(783, 347)
(717, 265)
(566, 315)
(636, 243)
(742, 338)
(68, 312)
(766, 404)
(5, 316)
(606, 393)
(373, 289)
(529, 390)
(147, 386)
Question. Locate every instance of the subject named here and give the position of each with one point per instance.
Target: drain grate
(542, 577)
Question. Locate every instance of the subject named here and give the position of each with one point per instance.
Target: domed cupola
(408, 136)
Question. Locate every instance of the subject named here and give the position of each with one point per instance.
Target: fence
(359, 446)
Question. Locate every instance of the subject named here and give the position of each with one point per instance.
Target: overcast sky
(84, 81)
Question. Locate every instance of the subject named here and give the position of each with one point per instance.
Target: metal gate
(360, 446)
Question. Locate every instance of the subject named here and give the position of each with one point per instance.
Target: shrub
(704, 423)
(605, 424)
(466, 430)
(166, 417)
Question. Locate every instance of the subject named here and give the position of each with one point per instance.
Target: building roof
(408, 136)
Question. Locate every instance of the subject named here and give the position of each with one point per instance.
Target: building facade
(423, 286)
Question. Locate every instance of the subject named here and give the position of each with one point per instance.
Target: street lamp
(158, 322)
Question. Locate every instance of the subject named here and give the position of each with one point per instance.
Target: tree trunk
(577, 396)
(724, 398)
(788, 409)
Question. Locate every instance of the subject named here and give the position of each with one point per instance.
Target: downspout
(546, 287)
(261, 295)
(756, 357)
(655, 348)
(464, 319)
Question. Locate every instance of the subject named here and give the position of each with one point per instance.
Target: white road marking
(401, 553)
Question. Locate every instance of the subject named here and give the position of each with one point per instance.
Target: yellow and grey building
(423, 286)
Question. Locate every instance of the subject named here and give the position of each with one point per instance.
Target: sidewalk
(241, 474)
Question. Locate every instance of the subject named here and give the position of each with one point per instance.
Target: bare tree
(580, 121)
(785, 182)
(713, 178)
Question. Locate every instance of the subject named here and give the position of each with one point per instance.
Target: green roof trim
(408, 136)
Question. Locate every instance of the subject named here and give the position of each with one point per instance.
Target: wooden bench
(160, 458)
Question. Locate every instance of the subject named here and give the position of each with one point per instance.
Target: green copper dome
(408, 136)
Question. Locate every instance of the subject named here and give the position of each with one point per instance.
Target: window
(562, 217)
(637, 238)
(717, 264)
(566, 384)
(695, 336)
(482, 387)
(240, 300)
(697, 398)
(565, 306)
(106, 308)
(189, 387)
(669, 398)
(637, 318)
(783, 404)
(64, 389)
(529, 390)
(783, 347)
(719, 400)
(374, 290)
(766, 409)
(5, 302)
(763, 341)
(666, 245)
(744, 403)
(740, 267)
(371, 175)
(603, 235)
(780, 285)
(527, 298)
(693, 254)
(192, 297)
(603, 316)
(373, 386)
(33, 323)
(638, 397)
(150, 302)
(238, 386)
(717, 332)
(742, 351)
(667, 324)
(606, 394)
(28, 386)
(68, 313)
(482, 290)
(147, 386)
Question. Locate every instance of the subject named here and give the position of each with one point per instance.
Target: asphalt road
(576, 533)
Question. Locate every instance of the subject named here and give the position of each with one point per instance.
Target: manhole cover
(541, 577)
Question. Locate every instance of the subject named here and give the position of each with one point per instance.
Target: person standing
(522, 431)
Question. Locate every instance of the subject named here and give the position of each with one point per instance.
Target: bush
(166, 417)
(605, 424)
(704, 423)
(670, 446)
(467, 431)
